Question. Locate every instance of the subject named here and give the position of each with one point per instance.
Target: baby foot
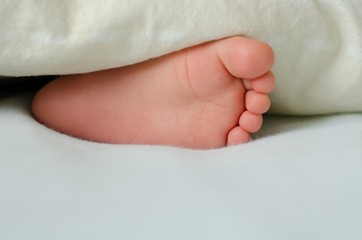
(207, 96)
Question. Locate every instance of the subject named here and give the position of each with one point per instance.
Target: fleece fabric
(318, 43)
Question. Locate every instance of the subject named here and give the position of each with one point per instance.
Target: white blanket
(300, 179)
(318, 43)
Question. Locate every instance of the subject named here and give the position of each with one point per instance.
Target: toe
(262, 84)
(257, 103)
(238, 136)
(251, 122)
(246, 58)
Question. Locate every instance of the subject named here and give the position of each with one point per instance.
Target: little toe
(262, 84)
(237, 136)
(251, 122)
(257, 103)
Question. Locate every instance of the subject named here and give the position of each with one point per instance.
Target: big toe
(246, 58)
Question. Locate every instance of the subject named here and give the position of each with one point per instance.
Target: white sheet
(300, 179)
(318, 43)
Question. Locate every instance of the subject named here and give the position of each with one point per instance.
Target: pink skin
(207, 96)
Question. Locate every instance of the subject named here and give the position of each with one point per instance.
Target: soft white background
(299, 179)
(318, 43)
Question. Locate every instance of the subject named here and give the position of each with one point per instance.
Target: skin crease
(208, 96)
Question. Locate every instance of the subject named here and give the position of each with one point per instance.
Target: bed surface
(299, 179)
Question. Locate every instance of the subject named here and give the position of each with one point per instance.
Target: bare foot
(207, 96)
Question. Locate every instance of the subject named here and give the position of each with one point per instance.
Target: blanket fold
(318, 43)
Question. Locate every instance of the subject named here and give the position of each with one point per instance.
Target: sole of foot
(207, 96)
